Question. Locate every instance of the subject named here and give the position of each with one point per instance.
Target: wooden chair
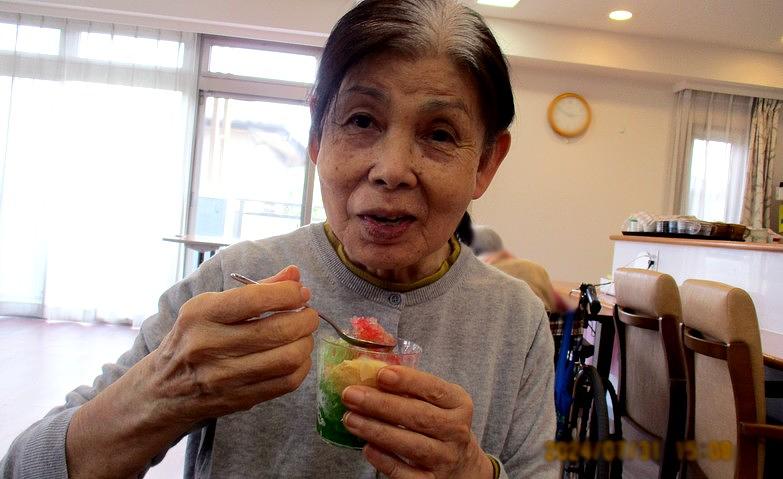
(652, 371)
(724, 370)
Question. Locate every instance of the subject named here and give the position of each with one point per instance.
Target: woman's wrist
(117, 433)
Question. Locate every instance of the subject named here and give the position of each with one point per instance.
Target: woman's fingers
(418, 423)
(407, 381)
(195, 381)
(215, 340)
(214, 361)
(289, 273)
(416, 400)
(225, 375)
(390, 465)
(240, 304)
(419, 450)
(410, 413)
(275, 387)
(244, 397)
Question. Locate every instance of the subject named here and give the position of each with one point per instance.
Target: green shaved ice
(333, 355)
(330, 420)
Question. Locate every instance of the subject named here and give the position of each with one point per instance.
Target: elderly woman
(410, 115)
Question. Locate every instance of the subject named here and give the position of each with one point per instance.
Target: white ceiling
(748, 24)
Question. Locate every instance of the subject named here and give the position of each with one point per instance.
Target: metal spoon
(345, 336)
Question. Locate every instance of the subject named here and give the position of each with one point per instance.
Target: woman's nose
(393, 165)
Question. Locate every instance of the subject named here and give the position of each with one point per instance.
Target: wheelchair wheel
(588, 427)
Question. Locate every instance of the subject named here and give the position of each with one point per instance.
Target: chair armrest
(769, 431)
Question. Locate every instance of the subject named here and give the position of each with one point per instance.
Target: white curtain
(761, 158)
(710, 154)
(95, 139)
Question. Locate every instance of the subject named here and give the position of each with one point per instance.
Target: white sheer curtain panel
(710, 154)
(95, 139)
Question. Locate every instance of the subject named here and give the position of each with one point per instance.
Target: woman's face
(400, 158)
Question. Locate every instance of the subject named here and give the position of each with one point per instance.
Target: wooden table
(201, 244)
(565, 289)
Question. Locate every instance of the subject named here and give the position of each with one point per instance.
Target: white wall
(556, 202)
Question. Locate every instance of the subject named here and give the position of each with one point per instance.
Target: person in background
(410, 117)
(488, 246)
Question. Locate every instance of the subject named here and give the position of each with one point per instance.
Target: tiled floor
(42, 361)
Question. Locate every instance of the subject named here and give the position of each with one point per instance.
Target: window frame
(254, 86)
(250, 89)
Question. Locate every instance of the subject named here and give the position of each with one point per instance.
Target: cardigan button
(395, 299)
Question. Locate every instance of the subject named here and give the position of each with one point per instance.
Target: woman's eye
(361, 121)
(441, 136)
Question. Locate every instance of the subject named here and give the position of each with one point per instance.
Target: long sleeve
(534, 419)
(39, 452)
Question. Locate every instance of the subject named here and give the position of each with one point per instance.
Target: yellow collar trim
(390, 285)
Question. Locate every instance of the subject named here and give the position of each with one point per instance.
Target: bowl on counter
(706, 228)
(738, 232)
(690, 227)
(721, 230)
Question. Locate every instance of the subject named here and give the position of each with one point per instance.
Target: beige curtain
(678, 161)
(757, 200)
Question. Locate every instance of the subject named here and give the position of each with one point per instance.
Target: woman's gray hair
(417, 28)
(485, 240)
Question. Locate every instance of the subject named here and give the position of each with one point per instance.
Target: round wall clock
(569, 115)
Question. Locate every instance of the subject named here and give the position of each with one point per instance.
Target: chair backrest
(652, 373)
(725, 374)
(533, 274)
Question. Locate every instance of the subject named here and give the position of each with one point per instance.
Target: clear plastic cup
(341, 365)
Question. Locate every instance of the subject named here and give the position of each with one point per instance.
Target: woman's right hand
(215, 362)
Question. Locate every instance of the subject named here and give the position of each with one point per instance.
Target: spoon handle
(243, 279)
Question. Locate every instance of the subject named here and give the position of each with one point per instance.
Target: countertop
(743, 245)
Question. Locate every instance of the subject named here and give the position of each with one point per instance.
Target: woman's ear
(314, 143)
(313, 147)
(490, 162)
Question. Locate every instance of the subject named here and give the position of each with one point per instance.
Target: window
(710, 186)
(249, 62)
(711, 141)
(252, 176)
(96, 146)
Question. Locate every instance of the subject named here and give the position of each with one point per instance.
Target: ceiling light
(620, 15)
(499, 3)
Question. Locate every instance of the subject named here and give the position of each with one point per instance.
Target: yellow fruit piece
(361, 371)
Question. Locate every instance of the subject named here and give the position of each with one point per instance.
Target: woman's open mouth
(382, 227)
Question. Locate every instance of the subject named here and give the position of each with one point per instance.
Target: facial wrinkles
(403, 118)
(410, 105)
